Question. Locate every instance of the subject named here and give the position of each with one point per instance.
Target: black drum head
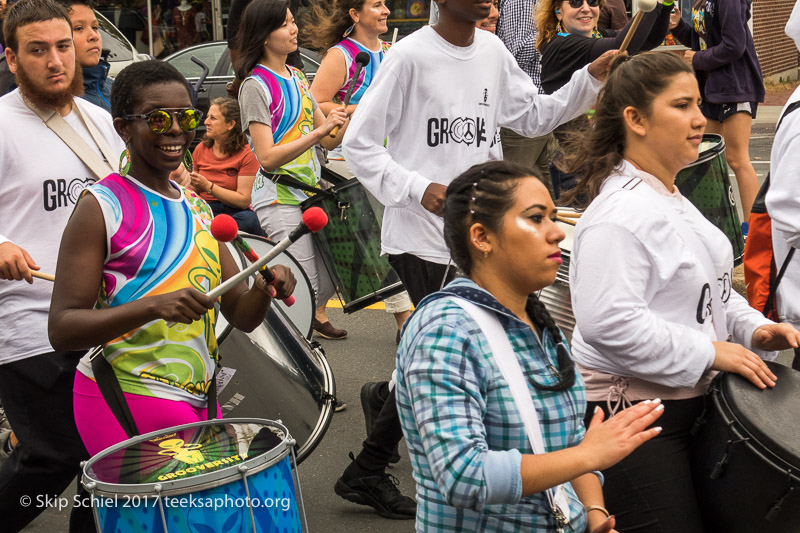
(771, 415)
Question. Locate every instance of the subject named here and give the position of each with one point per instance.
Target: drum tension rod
(723, 462)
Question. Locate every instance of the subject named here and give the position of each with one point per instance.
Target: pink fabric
(99, 428)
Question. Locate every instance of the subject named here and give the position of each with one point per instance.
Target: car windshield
(207, 54)
(114, 41)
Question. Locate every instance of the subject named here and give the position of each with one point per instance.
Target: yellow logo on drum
(179, 450)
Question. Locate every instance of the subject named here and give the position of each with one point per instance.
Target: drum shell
(707, 185)
(350, 245)
(137, 508)
(738, 490)
(276, 373)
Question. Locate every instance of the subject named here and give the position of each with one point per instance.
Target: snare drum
(556, 297)
(302, 312)
(350, 245)
(233, 475)
(706, 184)
(746, 457)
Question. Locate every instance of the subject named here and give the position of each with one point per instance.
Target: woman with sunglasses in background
(137, 255)
(475, 467)
(284, 124)
(568, 39)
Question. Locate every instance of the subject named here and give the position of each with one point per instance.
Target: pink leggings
(99, 428)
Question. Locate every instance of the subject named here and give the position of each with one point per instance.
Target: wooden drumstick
(569, 214)
(362, 60)
(645, 6)
(42, 275)
(569, 221)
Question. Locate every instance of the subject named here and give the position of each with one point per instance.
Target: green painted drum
(351, 245)
(706, 184)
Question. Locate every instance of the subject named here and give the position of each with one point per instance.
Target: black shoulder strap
(762, 193)
(109, 387)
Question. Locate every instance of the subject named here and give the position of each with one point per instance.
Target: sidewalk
(767, 115)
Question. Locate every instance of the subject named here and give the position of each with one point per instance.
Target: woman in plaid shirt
(473, 463)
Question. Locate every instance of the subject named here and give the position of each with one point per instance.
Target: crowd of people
(469, 147)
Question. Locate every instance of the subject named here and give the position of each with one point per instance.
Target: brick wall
(776, 52)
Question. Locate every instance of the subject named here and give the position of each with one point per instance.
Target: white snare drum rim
(301, 314)
(223, 476)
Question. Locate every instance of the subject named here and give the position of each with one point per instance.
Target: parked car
(220, 71)
(121, 52)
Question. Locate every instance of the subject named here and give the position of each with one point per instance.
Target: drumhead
(710, 147)
(187, 458)
(302, 312)
(770, 415)
(276, 373)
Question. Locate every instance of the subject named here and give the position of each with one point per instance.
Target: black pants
(246, 219)
(420, 279)
(36, 394)
(651, 490)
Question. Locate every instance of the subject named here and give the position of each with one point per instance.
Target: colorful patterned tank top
(158, 245)
(292, 113)
(350, 49)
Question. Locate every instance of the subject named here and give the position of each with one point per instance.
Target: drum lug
(343, 207)
(777, 506)
(723, 462)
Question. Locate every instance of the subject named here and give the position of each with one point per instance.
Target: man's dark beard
(49, 99)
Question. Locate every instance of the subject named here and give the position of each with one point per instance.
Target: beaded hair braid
(484, 194)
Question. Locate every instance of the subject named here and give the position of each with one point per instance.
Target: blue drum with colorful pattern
(205, 477)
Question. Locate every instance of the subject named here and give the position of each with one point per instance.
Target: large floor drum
(276, 373)
(746, 457)
(351, 245)
(706, 184)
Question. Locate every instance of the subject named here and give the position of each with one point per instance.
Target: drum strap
(289, 181)
(696, 246)
(109, 387)
(507, 362)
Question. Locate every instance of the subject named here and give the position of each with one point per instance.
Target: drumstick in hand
(225, 229)
(362, 60)
(645, 6)
(42, 275)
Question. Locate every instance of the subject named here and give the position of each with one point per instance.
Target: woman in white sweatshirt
(651, 286)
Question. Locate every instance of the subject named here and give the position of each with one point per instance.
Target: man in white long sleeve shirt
(783, 198)
(439, 100)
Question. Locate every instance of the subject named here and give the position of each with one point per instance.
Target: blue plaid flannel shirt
(454, 406)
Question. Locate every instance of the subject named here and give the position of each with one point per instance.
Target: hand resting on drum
(735, 358)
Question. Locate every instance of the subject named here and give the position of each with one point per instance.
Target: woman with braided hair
(473, 462)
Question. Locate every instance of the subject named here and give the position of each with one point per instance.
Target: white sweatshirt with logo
(641, 297)
(440, 108)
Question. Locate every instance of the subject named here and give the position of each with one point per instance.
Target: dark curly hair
(484, 194)
(236, 139)
(135, 77)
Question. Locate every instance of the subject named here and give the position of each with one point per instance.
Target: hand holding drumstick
(362, 60)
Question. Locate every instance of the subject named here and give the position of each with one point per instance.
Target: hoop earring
(348, 31)
(188, 161)
(124, 162)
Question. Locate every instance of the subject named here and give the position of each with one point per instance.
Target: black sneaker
(371, 407)
(379, 492)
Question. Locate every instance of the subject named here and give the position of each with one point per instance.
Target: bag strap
(56, 123)
(111, 390)
(507, 362)
(773, 286)
(691, 239)
(289, 181)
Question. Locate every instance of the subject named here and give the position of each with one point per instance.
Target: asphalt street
(368, 355)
